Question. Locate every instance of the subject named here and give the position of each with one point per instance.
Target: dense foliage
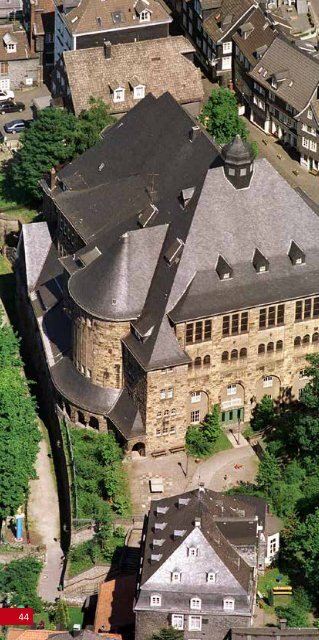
(220, 116)
(200, 440)
(19, 581)
(289, 478)
(62, 616)
(167, 634)
(263, 415)
(55, 137)
(106, 547)
(19, 432)
(101, 479)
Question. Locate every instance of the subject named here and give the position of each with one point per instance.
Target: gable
(195, 569)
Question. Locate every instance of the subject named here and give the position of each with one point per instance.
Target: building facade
(158, 294)
(39, 22)
(19, 65)
(201, 555)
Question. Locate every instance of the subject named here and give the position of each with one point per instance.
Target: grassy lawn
(76, 616)
(268, 580)
(11, 209)
(78, 564)
(222, 443)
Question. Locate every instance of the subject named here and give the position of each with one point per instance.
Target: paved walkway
(45, 521)
(179, 473)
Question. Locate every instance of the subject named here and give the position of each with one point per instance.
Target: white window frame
(195, 623)
(195, 604)
(228, 604)
(309, 114)
(145, 15)
(163, 394)
(232, 389)
(176, 576)
(196, 396)
(139, 92)
(267, 381)
(119, 94)
(194, 418)
(227, 47)
(11, 47)
(305, 142)
(155, 600)
(313, 146)
(211, 577)
(192, 552)
(178, 621)
(170, 392)
(226, 63)
(273, 548)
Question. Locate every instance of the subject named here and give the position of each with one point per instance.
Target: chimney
(52, 178)
(107, 49)
(194, 133)
(197, 522)
(283, 623)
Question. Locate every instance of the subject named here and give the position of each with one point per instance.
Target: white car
(6, 95)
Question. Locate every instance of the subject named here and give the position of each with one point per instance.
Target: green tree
(19, 432)
(62, 617)
(269, 474)
(263, 415)
(19, 581)
(211, 425)
(54, 138)
(197, 444)
(167, 634)
(295, 616)
(220, 116)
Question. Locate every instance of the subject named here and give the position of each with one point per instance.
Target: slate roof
(84, 17)
(267, 216)
(213, 509)
(232, 9)
(89, 73)
(43, 17)
(298, 89)
(23, 51)
(265, 633)
(262, 34)
(126, 417)
(36, 252)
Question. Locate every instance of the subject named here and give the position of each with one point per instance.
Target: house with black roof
(201, 555)
(168, 277)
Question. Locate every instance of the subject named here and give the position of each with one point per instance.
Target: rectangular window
(229, 604)
(226, 325)
(273, 545)
(155, 601)
(272, 96)
(227, 47)
(316, 307)
(262, 318)
(271, 316)
(231, 389)
(208, 330)
(235, 323)
(313, 146)
(170, 392)
(163, 394)
(158, 432)
(198, 331)
(298, 312)
(226, 63)
(189, 333)
(195, 417)
(195, 396)
(267, 382)
(309, 114)
(195, 623)
(305, 143)
(281, 314)
(178, 621)
(307, 308)
(244, 322)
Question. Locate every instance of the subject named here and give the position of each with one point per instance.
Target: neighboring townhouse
(19, 65)
(88, 23)
(123, 74)
(201, 555)
(285, 100)
(210, 24)
(168, 278)
(39, 21)
(251, 40)
(9, 9)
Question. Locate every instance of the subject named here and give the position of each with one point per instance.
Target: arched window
(279, 345)
(93, 422)
(315, 337)
(81, 418)
(261, 349)
(225, 356)
(206, 361)
(270, 347)
(234, 354)
(197, 362)
(306, 339)
(297, 341)
(243, 353)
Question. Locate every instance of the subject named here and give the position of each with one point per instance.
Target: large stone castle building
(168, 277)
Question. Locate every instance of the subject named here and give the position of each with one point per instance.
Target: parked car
(6, 95)
(15, 126)
(11, 107)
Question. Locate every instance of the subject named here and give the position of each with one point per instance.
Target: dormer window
(296, 254)
(10, 43)
(176, 576)
(119, 94)
(193, 552)
(261, 264)
(229, 604)
(139, 92)
(145, 16)
(156, 600)
(195, 603)
(223, 269)
(211, 577)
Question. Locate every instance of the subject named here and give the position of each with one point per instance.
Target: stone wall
(216, 627)
(20, 69)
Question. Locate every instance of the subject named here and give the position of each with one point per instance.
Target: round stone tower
(239, 162)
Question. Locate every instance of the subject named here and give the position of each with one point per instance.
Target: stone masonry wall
(20, 69)
(216, 628)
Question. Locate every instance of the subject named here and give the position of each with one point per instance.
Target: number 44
(24, 616)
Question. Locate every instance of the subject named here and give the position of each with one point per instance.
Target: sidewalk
(44, 519)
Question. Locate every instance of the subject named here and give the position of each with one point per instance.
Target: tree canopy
(19, 432)
(54, 138)
(220, 116)
(200, 440)
(19, 581)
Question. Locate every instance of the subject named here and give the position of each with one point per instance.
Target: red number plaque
(15, 616)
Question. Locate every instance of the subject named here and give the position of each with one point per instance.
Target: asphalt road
(25, 96)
